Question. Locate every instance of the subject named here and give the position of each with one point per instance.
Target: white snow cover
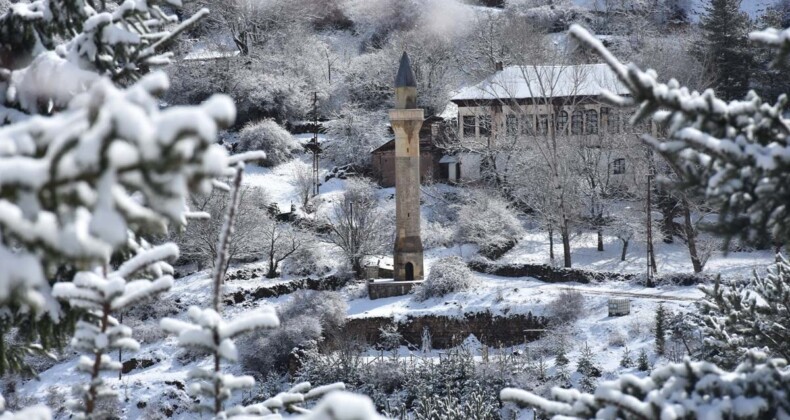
(524, 82)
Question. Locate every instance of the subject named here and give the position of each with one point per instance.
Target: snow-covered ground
(159, 384)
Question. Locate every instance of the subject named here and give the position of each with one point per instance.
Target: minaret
(406, 121)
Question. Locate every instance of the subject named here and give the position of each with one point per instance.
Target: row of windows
(581, 122)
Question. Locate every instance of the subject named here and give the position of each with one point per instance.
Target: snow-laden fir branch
(100, 333)
(735, 153)
(757, 389)
(76, 184)
(30, 413)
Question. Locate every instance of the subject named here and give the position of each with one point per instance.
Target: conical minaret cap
(405, 77)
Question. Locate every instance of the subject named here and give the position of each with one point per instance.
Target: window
(562, 121)
(612, 122)
(618, 166)
(469, 126)
(577, 120)
(543, 124)
(591, 121)
(511, 125)
(528, 125)
(484, 125)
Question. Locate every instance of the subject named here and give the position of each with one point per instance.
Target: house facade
(528, 104)
(382, 159)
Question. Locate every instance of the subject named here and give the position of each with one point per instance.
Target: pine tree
(626, 360)
(726, 33)
(661, 329)
(586, 364)
(562, 376)
(642, 362)
(753, 313)
(562, 358)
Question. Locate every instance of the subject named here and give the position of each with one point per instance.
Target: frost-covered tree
(302, 180)
(353, 133)
(642, 361)
(279, 241)
(726, 29)
(269, 137)
(753, 313)
(198, 243)
(661, 329)
(358, 227)
(626, 361)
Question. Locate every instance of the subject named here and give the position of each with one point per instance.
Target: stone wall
(284, 288)
(379, 290)
(491, 330)
(547, 273)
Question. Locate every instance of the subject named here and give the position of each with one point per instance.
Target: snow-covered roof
(209, 55)
(524, 82)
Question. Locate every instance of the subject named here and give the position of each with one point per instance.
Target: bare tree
(302, 181)
(280, 240)
(357, 225)
(199, 241)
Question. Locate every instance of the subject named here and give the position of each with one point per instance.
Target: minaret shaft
(406, 121)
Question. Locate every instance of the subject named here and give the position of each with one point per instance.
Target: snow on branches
(85, 182)
(121, 41)
(749, 314)
(208, 332)
(758, 388)
(100, 332)
(736, 153)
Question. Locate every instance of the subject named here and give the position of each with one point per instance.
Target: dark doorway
(409, 271)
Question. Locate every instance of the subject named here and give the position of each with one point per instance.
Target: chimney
(498, 66)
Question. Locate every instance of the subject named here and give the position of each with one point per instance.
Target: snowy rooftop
(524, 82)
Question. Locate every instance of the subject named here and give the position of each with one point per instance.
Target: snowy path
(619, 293)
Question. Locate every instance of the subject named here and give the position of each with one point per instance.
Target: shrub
(306, 261)
(308, 318)
(488, 222)
(270, 137)
(567, 307)
(448, 275)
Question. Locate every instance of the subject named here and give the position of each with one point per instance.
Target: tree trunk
(625, 251)
(359, 271)
(566, 245)
(600, 239)
(691, 238)
(551, 244)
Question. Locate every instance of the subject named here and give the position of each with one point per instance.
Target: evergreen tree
(586, 364)
(626, 360)
(642, 362)
(562, 358)
(562, 376)
(661, 329)
(726, 43)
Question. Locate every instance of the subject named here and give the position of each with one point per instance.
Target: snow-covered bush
(567, 307)
(448, 275)
(487, 221)
(308, 318)
(758, 388)
(269, 137)
(307, 261)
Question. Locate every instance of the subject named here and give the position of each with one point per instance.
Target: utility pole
(313, 146)
(651, 254)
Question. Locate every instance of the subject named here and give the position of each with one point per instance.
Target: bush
(567, 307)
(448, 275)
(488, 222)
(270, 137)
(308, 318)
(306, 261)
